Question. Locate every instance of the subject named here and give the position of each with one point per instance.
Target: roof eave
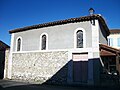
(71, 20)
(109, 48)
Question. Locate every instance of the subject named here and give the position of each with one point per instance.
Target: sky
(20, 13)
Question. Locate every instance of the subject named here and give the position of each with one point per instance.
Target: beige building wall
(115, 40)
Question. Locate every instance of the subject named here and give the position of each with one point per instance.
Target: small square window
(118, 41)
(110, 41)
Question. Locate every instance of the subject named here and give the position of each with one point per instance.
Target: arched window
(18, 44)
(79, 38)
(43, 41)
(43, 44)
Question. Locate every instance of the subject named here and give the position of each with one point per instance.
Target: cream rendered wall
(115, 42)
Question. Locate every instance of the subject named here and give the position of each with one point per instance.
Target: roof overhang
(106, 50)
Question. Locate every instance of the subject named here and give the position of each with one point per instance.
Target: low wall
(7, 52)
(40, 66)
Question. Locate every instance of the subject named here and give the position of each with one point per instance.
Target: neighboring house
(114, 38)
(4, 53)
(61, 52)
(112, 61)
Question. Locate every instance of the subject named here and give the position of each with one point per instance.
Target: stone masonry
(40, 67)
(7, 52)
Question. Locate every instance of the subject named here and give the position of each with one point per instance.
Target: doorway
(80, 67)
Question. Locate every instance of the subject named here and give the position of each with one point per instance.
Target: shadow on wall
(79, 72)
(103, 31)
(2, 64)
(60, 77)
(76, 70)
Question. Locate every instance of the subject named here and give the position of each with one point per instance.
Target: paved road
(14, 85)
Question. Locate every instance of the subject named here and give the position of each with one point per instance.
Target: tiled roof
(3, 46)
(71, 20)
(109, 48)
(114, 31)
(106, 53)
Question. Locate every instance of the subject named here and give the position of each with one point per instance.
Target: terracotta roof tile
(71, 20)
(114, 31)
(109, 48)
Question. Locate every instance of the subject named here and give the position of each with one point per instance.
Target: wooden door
(80, 67)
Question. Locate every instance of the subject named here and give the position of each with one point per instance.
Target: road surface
(17, 85)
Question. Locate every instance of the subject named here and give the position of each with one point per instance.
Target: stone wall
(7, 52)
(4, 56)
(40, 66)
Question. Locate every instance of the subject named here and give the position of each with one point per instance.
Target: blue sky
(20, 13)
